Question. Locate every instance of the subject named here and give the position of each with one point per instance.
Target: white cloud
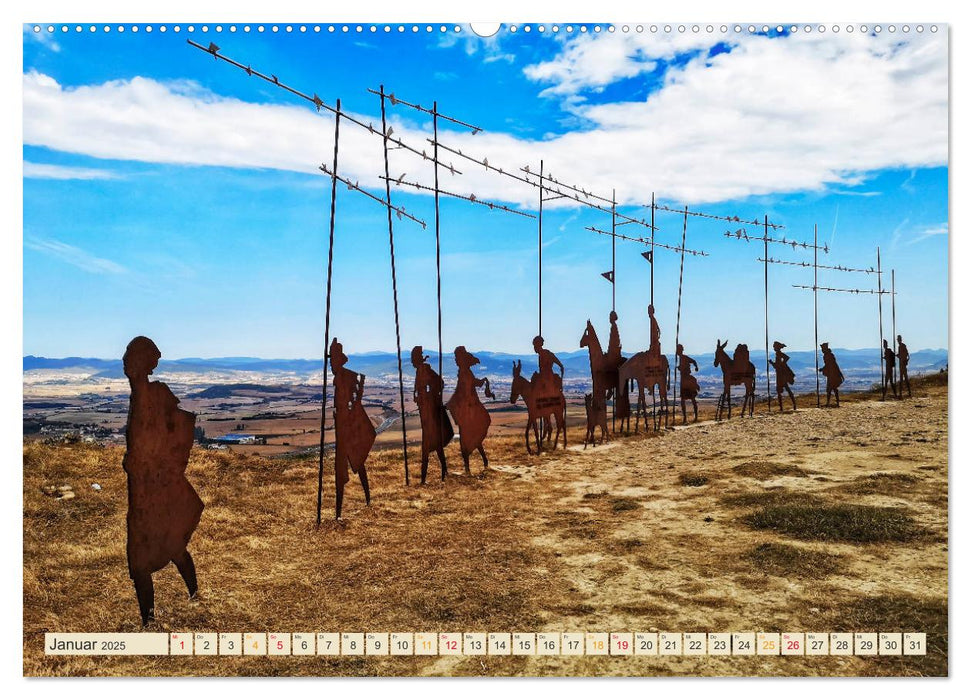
(74, 256)
(46, 171)
(772, 115)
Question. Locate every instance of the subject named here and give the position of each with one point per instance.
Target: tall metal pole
(394, 288)
(540, 248)
(330, 267)
(613, 251)
(653, 209)
(816, 306)
(883, 375)
(765, 241)
(893, 316)
(677, 325)
(438, 247)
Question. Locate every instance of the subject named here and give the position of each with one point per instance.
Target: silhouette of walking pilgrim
(354, 432)
(784, 376)
(470, 415)
(436, 428)
(163, 508)
(889, 366)
(689, 383)
(831, 370)
(903, 358)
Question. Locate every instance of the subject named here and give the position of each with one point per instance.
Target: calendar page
(514, 349)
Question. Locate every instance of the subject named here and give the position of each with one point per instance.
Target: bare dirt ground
(822, 520)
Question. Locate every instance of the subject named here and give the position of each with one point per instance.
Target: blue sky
(169, 194)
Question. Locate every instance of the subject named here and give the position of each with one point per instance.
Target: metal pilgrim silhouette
(784, 376)
(163, 508)
(470, 415)
(903, 358)
(831, 370)
(354, 432)
(436, 428)
(689, 384)
(649, 369)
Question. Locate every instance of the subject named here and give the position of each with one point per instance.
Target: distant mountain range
(494, 364)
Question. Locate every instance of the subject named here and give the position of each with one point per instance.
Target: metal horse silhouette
(470, 415)
(735, 370)
(354, 432)
(649, 369)
(604, 370)
(543, 396)
(163, 508)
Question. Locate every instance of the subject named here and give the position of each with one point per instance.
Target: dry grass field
(822, 520)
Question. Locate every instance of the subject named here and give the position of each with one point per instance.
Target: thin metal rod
(433, 111)
(840, 289)
(883, 374)
(733, 219)
(401, 182)
(213, 50)
(741, 235)
(613, 253)
(540, 248)
(394, 291)
(400, 211)
(647, 241)
(677, 325)
(839, 268)
(816, 306)
(893, 314)
(768, 385)
(653, 231)
(438, 242)
(330, 268)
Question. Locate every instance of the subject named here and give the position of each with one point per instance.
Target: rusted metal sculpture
(543, 396)
(831, 370)
(470, 415)
(604, 368)
(784, 376)
(689, 384)
(735, 370)
(596, 418)
(436, 428)
(163, 508)
(649, 369)
(903, 358)
(354, 432)
(889, 367)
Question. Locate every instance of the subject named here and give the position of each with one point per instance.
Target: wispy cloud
(928, 232)
(42, 37)
(75, 256)
(46, 171)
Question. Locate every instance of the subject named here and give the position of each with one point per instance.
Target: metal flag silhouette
(354, 433)
(784, 376)
(470, 415)
(831, 370)
(163, 508)
(436, 428)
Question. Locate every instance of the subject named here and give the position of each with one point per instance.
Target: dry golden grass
(625, 536)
